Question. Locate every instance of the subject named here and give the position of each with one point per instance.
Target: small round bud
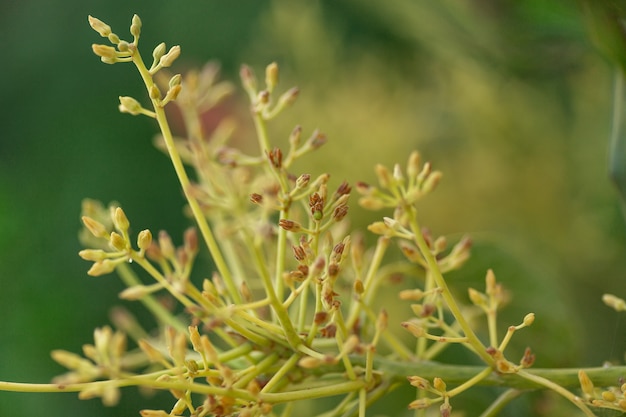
(168, 59)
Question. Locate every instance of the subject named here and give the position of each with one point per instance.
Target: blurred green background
(510, 99)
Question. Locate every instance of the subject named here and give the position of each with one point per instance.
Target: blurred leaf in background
(508, 99)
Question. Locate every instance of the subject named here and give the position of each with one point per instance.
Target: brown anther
(320, 317)
(528, 359)
(256, 198)
(289, 225)
(329, 331)
(304, 269)
(276, 157)
(340, 212)
(299, 253)
(333, 270)
(343, 189)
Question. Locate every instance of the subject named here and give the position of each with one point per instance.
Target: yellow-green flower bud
(413, 166)
(439, 385)
(154, 92)
(175, 80)
(104, 51)
(144, 239)
(135, 27)
(117, 241)
(414, 328)
(113, 38)
(130, 105)
(93, 255)
(99, 26)
(103, 267)
(120, 220)
(271, 76)
(529, 319)
(614, 302)
(95, 227)
(168, 59)
(158, 52)
(585, 383)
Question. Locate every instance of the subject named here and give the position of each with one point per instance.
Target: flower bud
(99, 26)
(158, 52)
(135, 27)
(104, 51)
(96, 228)
(118, 242)
(103, 267)
(168, 59)
(271, 76)
(130, 105)
(144, 239)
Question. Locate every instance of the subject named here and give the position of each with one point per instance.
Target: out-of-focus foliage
(509, 99)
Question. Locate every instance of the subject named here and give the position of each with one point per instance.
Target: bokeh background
(512, 100)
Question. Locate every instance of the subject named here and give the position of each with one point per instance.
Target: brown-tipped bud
(95, 227)
(299, 253)
(317, 139)
(144, 239)
(271, 76)
(288, 97)
(528, 359)
(103, 267)
(440, 244)
(294, 137)
(135, 27)
(248, 80)
(118, 242)
(190, 239)
(256, 198)
(166, 245)
(275, 157)
(420, 404)
(99, 26)
(302, 181)
(585, 384)
(290, 225)
(445, 409)
(130, 105)
(414, 328)
(419, 382)
(340, 212)
(168, 59)
(104, 51)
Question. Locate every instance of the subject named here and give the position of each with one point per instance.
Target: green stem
(433, 267)
(502, 400)
(179, 168)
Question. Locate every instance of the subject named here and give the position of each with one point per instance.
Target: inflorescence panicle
(295, 307)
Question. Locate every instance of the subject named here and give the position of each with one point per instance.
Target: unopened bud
(144, 239)
(248, 80)
(103, 267)
(120, 220)
(614, 302)
(135, 27)
(290, 225)
(130, 105)
(154, 92)
(99, 26)
(158, 52)
(93, 255)
(104, 51)
(166, 245)
(117, 241)
(271, 76)
(95, 227)
(414, 328)
(168, 59)
(439, 385)
(585, 383)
